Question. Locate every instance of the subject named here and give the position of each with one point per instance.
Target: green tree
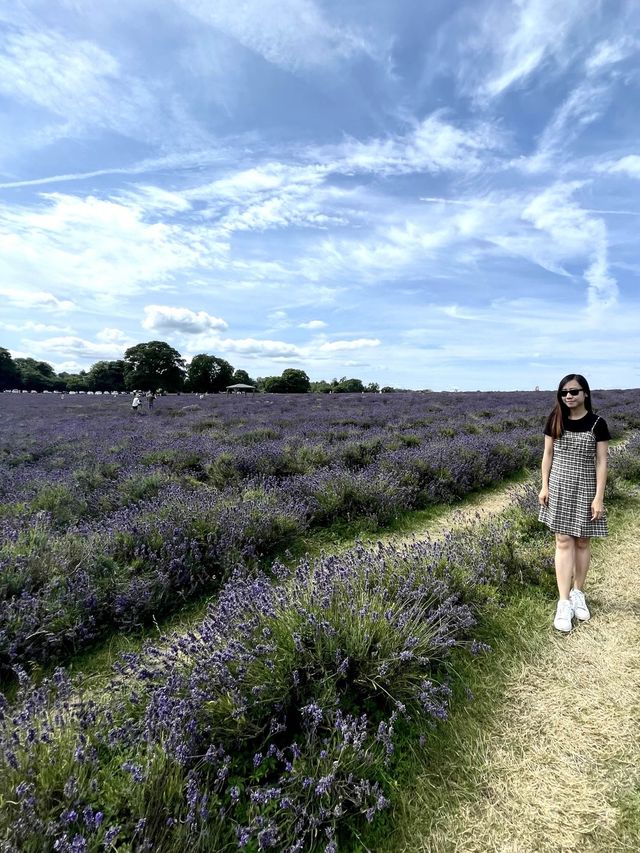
(295, 381)
(272, 385)
(241, 377)
(9, 371)
(36, 375)
(73, 381)
(153, 365)
(106, 376)
(292, 381)
(321, 387)
(349, 386)
(209, 374)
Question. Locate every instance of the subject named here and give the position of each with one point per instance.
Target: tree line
(157, 366)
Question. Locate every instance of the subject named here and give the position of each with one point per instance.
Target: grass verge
(546, 756)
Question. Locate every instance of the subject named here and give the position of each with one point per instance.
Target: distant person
(135, 403)
(574, 474)
(151, 398)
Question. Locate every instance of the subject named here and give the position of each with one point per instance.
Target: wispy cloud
(629, 166)
(291, 34)
(520, 38)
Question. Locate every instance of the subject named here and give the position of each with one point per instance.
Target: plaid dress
(572, 486)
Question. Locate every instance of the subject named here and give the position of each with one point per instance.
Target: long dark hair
(561, 410)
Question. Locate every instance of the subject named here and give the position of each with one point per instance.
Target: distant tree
(9, 371)
(350, 386)
(321, 387)
(106, 376)
(73, 381)
(291, 381)
(272, 385)
(372, 388)
(295, 381)
(209, 374)
(241, 377)
(36, 375)
(153, 365)
(387, 389)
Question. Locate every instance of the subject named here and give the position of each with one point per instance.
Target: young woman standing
(574, 474)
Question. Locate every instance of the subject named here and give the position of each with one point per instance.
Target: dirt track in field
(564, 745)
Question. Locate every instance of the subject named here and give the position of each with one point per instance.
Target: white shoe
(564, 615)
(579, 605)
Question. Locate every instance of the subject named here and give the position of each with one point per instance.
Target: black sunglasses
(573, 391)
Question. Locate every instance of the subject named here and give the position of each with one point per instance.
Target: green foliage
(139, 488)
(36, 375)
(153, 365)
(223, 471)
(106, 376)
(62, 505)
(292, 381)
(208, 374)
(241, 377)
(9, 371)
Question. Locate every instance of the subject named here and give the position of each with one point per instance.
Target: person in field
(574, 474)
(135, 403)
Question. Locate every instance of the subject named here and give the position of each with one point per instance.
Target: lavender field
(274, 723)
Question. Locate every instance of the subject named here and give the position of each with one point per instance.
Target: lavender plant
(273, 725)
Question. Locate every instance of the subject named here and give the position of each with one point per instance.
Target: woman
(574, 474)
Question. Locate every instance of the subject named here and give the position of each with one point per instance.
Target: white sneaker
(564, 614)
(579, 605)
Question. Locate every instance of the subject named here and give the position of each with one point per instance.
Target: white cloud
(339, 346)
(458, 313)
(98, 248)
(610, 52)
(313, 324)
(80, 84)
(433, 145)
(291, 34)
(184, 320)
(30, 326)
(35, 299)
(109, 336)
(575, 233)
(582, 107)
(629, 165)
(77, 350)
(522, 36)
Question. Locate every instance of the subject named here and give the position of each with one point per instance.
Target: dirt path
(565, 741)
(479, 506)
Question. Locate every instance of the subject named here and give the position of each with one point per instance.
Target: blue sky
(422, 194)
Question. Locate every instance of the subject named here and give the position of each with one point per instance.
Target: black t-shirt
(583, 424)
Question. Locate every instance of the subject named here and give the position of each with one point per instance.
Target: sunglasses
(573, 391)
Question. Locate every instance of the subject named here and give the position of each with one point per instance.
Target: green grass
(444, 766)
(434, 781)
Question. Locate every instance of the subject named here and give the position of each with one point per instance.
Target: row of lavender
(271, 726)
(158, 509)
(274, 724)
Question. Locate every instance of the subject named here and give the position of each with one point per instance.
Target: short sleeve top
(583, 424)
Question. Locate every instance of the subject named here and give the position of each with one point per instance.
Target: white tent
(240, 387)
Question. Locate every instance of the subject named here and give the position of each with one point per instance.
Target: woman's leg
(565, 563)
(582, 560)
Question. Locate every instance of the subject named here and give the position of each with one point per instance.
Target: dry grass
(563, 748)
(477, 507)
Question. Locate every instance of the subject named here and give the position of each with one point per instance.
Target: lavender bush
(273, 725)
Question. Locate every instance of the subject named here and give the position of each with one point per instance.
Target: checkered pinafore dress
(572, 486)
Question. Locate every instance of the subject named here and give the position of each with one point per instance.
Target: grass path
(561, 752)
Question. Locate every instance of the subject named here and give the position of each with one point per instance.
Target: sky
(419, 193)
